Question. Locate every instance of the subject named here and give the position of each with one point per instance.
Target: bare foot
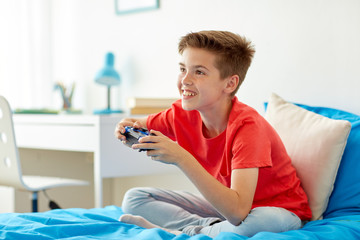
(142, 222)
(137, 220)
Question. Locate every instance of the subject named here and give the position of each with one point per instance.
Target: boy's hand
(162, 148)
(120, 127)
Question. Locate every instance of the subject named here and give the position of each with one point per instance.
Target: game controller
(133, 135)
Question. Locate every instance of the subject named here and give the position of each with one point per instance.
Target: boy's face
(199, 82)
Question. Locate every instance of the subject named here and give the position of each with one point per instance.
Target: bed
(338, 217)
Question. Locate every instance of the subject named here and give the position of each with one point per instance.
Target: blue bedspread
(102, 223)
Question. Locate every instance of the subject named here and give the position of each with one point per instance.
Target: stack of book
(139, 105)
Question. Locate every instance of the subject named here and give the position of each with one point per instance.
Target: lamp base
(108, 111)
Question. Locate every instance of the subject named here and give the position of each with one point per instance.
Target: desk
(86, 133)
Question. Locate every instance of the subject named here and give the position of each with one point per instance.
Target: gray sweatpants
(192, 214)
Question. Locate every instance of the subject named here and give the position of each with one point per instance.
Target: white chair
(10, 165)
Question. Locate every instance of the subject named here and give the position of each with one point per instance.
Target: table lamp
(109, 77)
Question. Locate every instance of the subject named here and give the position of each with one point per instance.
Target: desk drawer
(75, 137)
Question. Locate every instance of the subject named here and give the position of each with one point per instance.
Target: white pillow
(315, 144)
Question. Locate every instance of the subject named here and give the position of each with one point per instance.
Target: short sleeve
(251, 147)
(164, 121)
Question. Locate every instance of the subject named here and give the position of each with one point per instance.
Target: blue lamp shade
(110, 77)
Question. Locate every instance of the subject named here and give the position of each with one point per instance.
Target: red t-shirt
(249, 141)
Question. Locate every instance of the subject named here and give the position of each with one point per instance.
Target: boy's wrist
(186, 161)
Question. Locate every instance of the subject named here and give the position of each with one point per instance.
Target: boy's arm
(133, 122)
(233, 203)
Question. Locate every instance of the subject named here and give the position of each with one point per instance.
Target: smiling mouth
(186, 93)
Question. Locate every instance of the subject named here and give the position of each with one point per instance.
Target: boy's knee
(286, 219)
(271, 219)
(133, 198)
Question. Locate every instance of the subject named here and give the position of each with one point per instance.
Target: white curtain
(25, 53)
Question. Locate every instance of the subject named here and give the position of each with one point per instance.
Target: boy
(229, 152)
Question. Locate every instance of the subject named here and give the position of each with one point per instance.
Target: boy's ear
(232, 83)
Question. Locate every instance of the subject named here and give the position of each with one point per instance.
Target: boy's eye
(182, 69)
(199, 72)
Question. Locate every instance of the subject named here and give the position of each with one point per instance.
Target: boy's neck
(215, 122)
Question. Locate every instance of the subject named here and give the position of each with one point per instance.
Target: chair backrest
(10, 167)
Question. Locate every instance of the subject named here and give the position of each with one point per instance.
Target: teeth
(185, 93)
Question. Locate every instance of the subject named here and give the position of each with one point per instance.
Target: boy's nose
(186, 80)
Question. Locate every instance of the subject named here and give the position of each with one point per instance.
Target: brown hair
(234, 52)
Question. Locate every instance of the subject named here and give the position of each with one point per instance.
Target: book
(134, 102)
(146, 110)
(35, 111)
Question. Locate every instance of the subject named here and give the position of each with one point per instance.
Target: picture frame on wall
(132, 6)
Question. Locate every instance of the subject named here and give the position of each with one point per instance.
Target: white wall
(308, 51)
(25, 52)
